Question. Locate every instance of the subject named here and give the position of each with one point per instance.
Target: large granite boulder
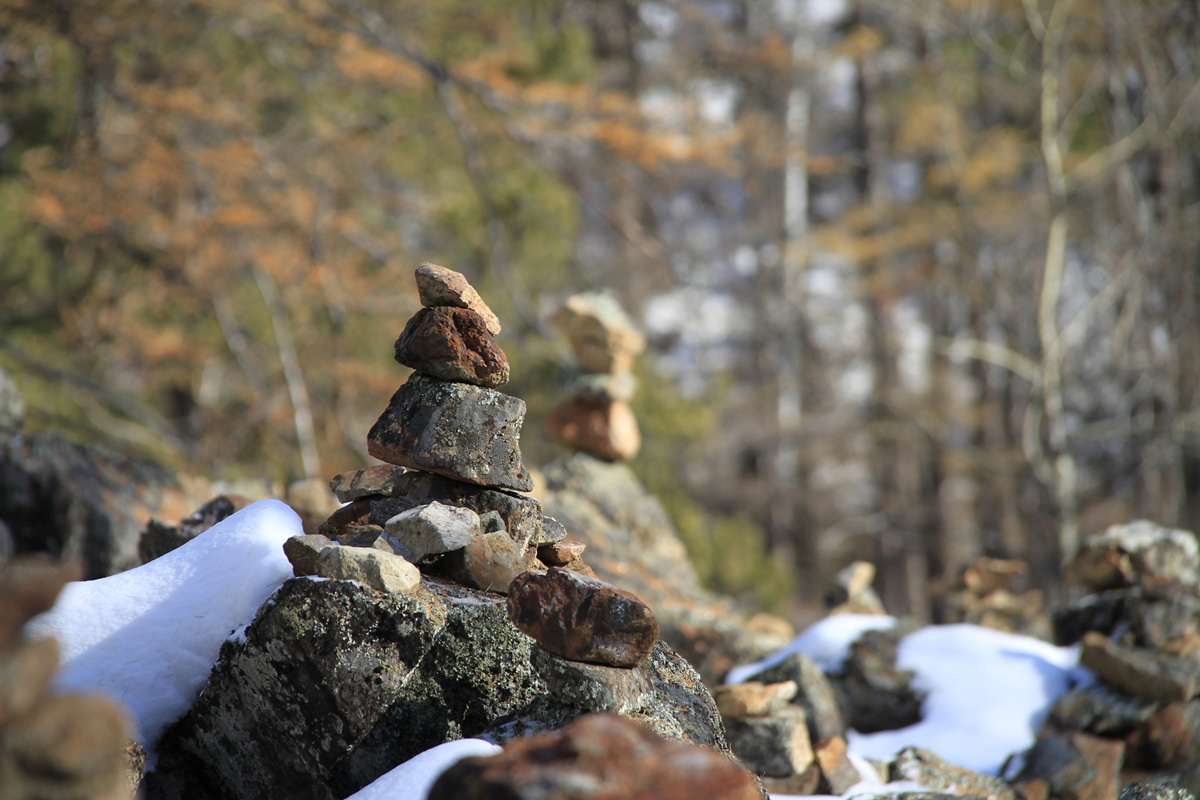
(334, 684)
(632, 543)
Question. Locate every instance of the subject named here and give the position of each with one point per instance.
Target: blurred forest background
(919, 278)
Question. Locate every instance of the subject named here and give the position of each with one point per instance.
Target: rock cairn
(1139, 627)
(53, 745)
(597, 419)
(450, 501)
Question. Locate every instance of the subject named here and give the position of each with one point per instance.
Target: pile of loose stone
(450, 502)
(597, 419)
(53, 744)
(1139, 629)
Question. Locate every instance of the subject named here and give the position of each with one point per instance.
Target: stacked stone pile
(53, 746)
(410, 646)
(597, 418)
(450, 500)
(1139, 628)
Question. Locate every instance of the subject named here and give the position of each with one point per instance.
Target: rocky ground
(438, 599)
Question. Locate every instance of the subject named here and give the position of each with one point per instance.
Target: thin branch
(292, 372)
(992, 353)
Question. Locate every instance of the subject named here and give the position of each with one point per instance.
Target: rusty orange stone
(581, 618)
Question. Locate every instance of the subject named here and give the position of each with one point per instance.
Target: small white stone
(433, 528)
(381, 571)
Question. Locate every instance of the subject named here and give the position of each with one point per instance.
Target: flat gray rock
(464, 432)
(432, 529)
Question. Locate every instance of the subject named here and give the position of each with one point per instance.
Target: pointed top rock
(439, 286)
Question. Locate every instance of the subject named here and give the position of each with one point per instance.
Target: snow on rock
(988, 691)
(150, 636)
(413, 779)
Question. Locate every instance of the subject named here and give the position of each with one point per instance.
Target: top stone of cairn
(439, 286)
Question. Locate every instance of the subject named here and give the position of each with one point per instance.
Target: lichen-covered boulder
(333, 684)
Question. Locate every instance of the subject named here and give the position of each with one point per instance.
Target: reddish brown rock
(1105, 756)
(605, 430)
(438, 286)
(838, 772)
(453, 344)
(379, 480)
(597, 757)
(581, 618)
(1170, 737)
(355, 513)
(559, 554)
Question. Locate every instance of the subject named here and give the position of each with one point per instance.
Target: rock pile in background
(1139, 628)
(53, 746)
(995, 593)
(597, 419)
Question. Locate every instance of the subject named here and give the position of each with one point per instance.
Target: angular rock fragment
(159, 538)
(433, 529)
(592, 688)
(753, 699)
(522, 515)
(1141, 672)
(1055, 760)
(560, 554)
(452, 344)
(1169, 738)
(581, 618)
(775, 746)
(380, 479)
(381, 571)
(605, 430)
(1099, 710)
(815, 695)
(354, 513)
(364, 536)
(597, 757)
(494, 560)
(1155, 790)
(464, 432)
(838, 772)
(303, 552)
(922, 766)
(875, 694)
(438, 286)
